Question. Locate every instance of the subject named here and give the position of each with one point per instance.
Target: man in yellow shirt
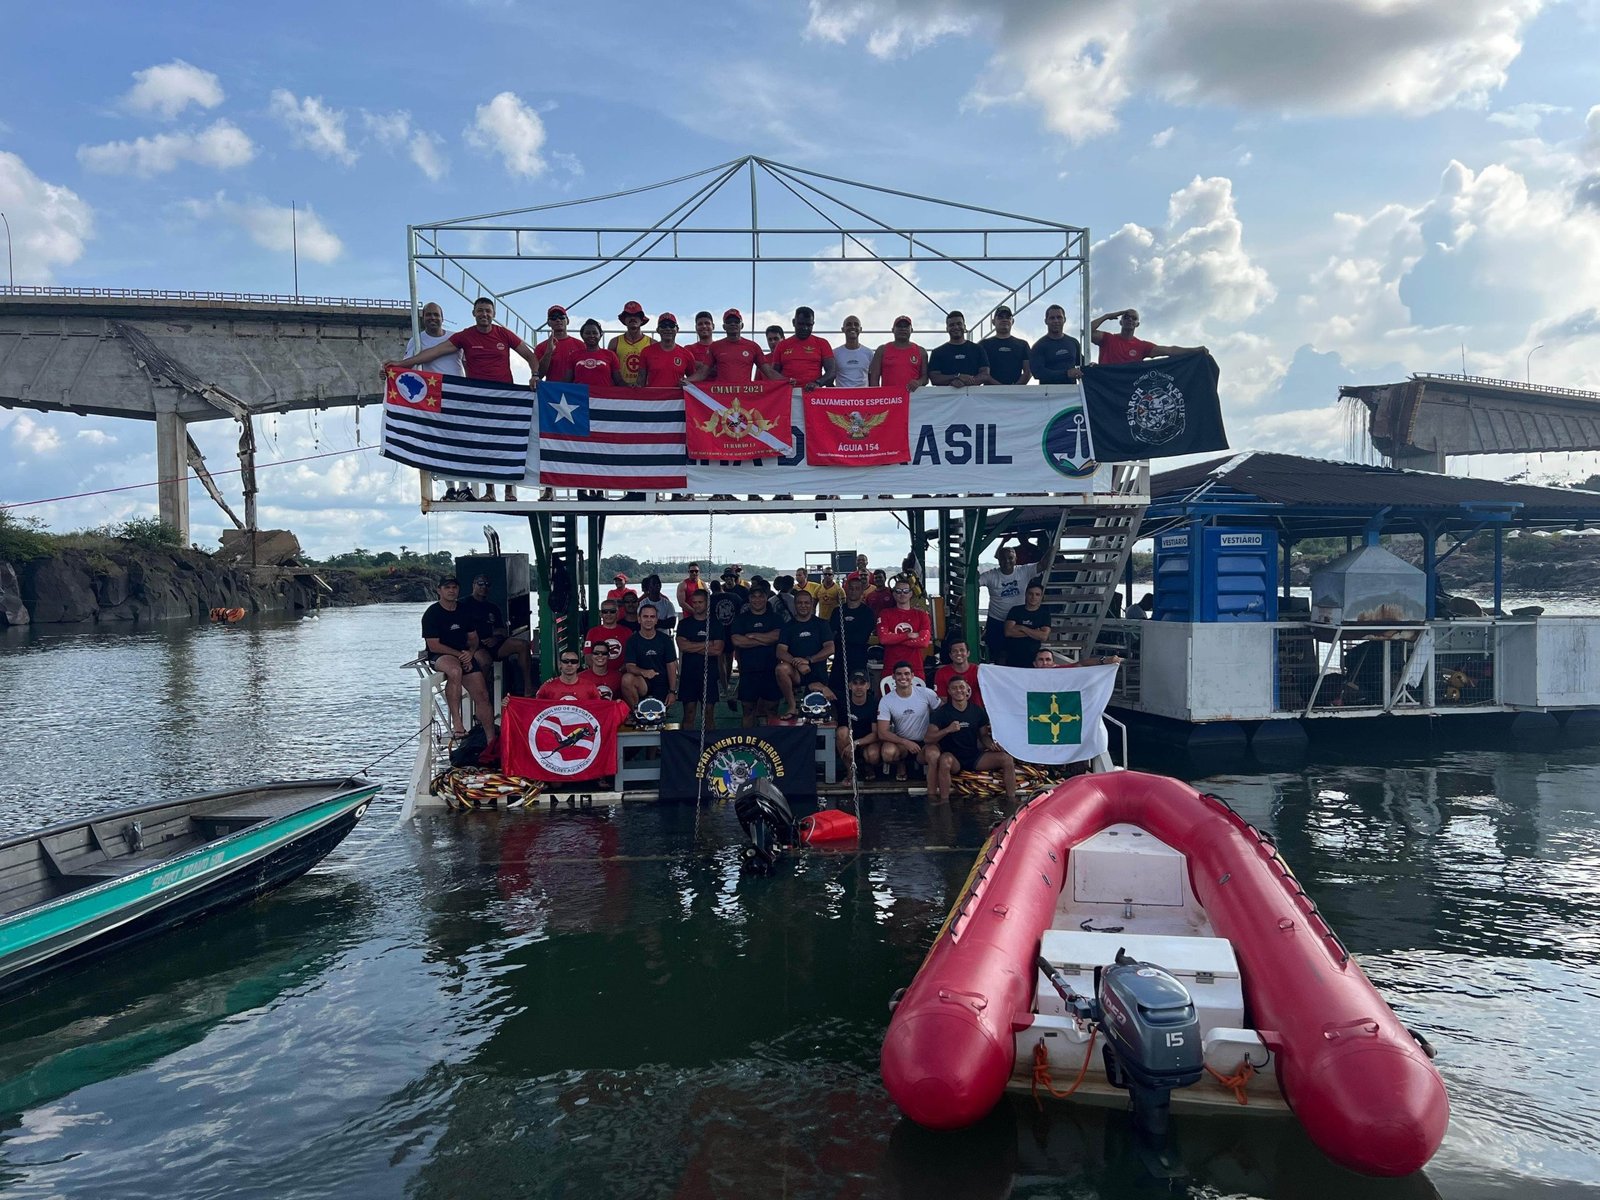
(829, 594)
(629, 347)
(804, 583)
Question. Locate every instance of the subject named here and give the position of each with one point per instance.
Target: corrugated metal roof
(1293, 480)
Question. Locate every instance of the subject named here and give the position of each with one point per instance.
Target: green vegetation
(360, 559)
(23, 538)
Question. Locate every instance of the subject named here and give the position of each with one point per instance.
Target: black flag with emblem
(1158, 408)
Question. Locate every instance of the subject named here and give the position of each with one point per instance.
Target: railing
(1384, 668)
(106, 293)
(1516, 384)
(1124, 638)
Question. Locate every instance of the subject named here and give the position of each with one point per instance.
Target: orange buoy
(829, 825)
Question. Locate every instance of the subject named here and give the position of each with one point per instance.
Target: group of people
(801, 357)
(463, 637)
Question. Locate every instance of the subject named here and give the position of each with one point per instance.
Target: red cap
(854, 577)
(906, 320)
(632, 309)
(619, 575)
(666, 319)
(555, 311)
(734, 313)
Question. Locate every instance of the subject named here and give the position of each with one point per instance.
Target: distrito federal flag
(1048, 715)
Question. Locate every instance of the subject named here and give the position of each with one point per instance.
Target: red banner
(411, 388)
(560, 741)
(738, 422)
(857, 427)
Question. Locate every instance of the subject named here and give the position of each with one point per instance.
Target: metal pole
(294, 245)
(1527, 364)
(1083, 299)
(755, 242)
(411, 272)
(11, 270)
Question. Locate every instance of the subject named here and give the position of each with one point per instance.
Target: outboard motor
(768, 822)
(1152, 1037)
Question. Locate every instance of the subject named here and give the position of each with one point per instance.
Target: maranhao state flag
(732, 761)
(857, 427)
(608, 438)
(1154, 409)
(738, 422)
(560, 741)
(456, 427)
(1047, 715)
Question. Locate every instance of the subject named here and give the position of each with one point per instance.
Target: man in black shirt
(1007, 355)
(450, 635)
(725, 606)
(1056, 357)
(960, 730)
(804, 650)
(855, 713)
(755, 639)
(698, 637)
(854, 623)
(958, 363)
(495, 643)
(1027, 627)
(650, 663)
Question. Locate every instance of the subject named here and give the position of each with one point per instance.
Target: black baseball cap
(447, 580)
(860, 677)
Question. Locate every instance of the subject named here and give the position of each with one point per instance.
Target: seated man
(650, 663)
(903, 720)
(604, 673)
(756, 631)
(905, 633)
(857, 715)
(699, 646)
(1027, 627)
(570, 683)
(629, 617)
(450, 634)
(960, 666)
(803, 651)
(494, 635)
(959, 739)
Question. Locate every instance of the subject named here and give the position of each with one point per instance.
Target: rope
(1041, 1070)
(129, 487)
(1238, 1081)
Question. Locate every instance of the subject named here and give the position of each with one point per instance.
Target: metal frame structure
(770, 215)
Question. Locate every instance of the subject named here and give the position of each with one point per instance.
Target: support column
(172, 466)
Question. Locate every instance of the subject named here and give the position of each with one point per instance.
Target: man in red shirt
(595, 366)
(705, 331)
(960, 666)
(609, 633)
(905, 633)
(486, 352)
(900, 363)
(665, 363)
(735, 358)
(570, 684)
(604, 673)
(560, 350)
(1124, 347)
(804, 359)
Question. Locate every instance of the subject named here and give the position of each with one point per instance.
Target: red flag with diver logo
(560, 741)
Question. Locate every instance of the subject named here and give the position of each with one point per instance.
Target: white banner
(984, 441)
(1047, 715)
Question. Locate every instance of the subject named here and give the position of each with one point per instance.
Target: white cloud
(394, 131)
(221, 145)
(168, 89)
(1194, 273)
(274, 227)
(1162, 138)
(31, 436)
(1079, 63)
(95, 437)
(49, 223)
(391, 129)
(424, 151)
(314, 125)
(1526, 118)
(508, 127)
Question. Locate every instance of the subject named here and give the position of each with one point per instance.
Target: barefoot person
(959, 739)
(451, 636)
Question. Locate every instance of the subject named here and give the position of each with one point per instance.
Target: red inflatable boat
(1201, 911)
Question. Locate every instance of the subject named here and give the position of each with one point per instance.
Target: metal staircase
(1081, 579)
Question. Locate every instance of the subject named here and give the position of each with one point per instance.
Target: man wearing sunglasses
(905, 633)
(609, 633)
(734, 357)
(900, 363)
(570, 683)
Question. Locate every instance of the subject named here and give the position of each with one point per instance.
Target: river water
(596, 1004)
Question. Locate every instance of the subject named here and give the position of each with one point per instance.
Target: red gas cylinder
(829, 825)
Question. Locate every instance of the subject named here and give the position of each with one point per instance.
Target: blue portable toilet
(1230, 576)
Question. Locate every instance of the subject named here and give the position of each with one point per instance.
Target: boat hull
(1354, 1076)
(219, 875)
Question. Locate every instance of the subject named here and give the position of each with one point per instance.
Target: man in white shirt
(431, 334)
(1008, 586)
(852, 359)
(903, 720)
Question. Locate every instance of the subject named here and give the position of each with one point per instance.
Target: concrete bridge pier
(172, 463)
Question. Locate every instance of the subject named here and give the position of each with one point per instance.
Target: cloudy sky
(1334, 192)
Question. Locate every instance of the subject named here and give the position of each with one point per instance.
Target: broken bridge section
(177, 357)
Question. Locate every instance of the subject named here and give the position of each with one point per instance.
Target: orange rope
(1041, 1070)
(1238, 1081)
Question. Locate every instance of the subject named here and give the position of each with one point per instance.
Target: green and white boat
(99, 883)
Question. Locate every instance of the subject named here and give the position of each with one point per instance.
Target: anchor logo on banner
(1068, 447)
